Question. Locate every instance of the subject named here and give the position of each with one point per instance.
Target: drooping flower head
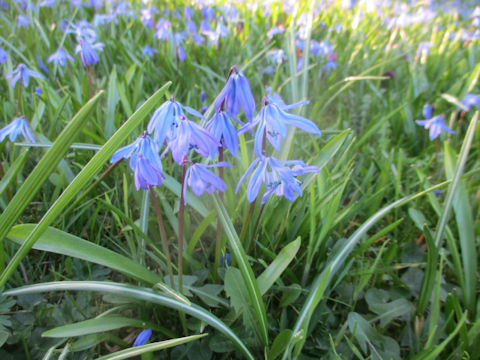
(222, 129)
(434, 124)
(3, 56)
(143, 337)
(471, 100)
(24, 73)
(200, 179)
(272, 121)
(235, 95)
(144, 161)
(88, 52)
(277, 176)
(191, 136)
(165, 120)
(148, 50)
(18, 126)
(60, 57)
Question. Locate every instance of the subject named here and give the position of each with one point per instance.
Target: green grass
(370, 263)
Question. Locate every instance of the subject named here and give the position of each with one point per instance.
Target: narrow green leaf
(138, 293)
(143, 349)
(13, 171)
(45, 166)
(276, 268)
(429, 278)
(80, 181)
(243, 264)
(92, 326)
(60, 242)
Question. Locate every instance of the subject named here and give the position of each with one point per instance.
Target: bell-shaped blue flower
(191, 136)
(144, 161)
(272, 121)
(3, 56)
(60, 57)
(18, 126)
(23, 73)
(277, 177)
(200, 179)
(88, 52)
(435, 124)
(222, 129)
(471, 100)
(165, 120)
(143, 337)
(235, 95)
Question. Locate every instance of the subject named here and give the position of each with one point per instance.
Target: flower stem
(19, 96)
(218, 240)
(163, 234)
(181, 212)
(255, 228)
(89, 80)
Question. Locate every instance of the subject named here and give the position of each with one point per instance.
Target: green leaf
(137, 293)
(278, 266)
(237, 291)
(12, 171)
(92, 326)
(80, 181)
(429, 278)
(247, 273)
(45, 166)
(60, 242)
(362, 330)
(148, 348)
(279, 344)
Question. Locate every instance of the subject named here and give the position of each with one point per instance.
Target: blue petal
(427, 111)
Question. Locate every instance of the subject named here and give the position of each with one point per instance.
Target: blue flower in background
(147, 16)
(48, 3)
(148, 50)
(471, 100)
(235, 95)
(143, 337)
(435, 124)
(60, 57)
(277, 177)
(200, 179)
(88, 52)
(42, 65)
(23, 73)
(18, 126)
(179, 37)
(225, 260)
(222, 129)
(191, 136)
(272, 120)
(165, 120)
(163, 29)
(3, 56)
(22, 21)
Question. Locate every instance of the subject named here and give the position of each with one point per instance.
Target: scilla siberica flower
(144, 161)
(88, 52)
(278, 178)
(18, 126)
(200, 179)
(143, 337)
(222, 129)
(435, 124)
(165, 120)
(191, 136)
(471, 100)
(272, 120)
(24, 73)
(60, 57)
(235, 95)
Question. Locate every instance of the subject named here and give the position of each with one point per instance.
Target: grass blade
(247, 273)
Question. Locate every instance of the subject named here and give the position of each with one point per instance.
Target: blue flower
(3, 56)
(191, 136)
(435, 124)
(42, 65)
(23, 21)
(222, 129)
(165, 119)
(200, 179)
(143, 337)
(148, 50)
(163, 29)
(272, 120)
(144, 161)
(18, 126)
(60, 57)
(471, 100)
(235, 95)
(225, 261)
(24, 73)
(278, 178)
(147, 16)
(88, 52)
